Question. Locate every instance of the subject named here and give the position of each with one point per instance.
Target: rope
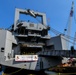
(13, 72)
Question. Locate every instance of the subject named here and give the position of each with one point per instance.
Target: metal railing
(62, 53)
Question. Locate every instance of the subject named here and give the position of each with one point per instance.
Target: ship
(28, 47)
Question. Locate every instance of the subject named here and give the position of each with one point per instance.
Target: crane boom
(70, 23)
(74, 39)
(70, 20)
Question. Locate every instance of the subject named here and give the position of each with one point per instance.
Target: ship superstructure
(28, 45)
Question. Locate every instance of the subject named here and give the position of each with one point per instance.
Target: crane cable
(14, 72)
(69, 37)
(65, 29)
(58, 33)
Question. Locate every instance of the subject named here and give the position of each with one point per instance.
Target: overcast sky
(57, 11)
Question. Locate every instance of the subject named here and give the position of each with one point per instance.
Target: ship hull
(17, 71)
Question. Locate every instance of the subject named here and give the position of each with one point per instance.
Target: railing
(62, 53)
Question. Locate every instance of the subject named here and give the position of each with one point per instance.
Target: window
(2, 49)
